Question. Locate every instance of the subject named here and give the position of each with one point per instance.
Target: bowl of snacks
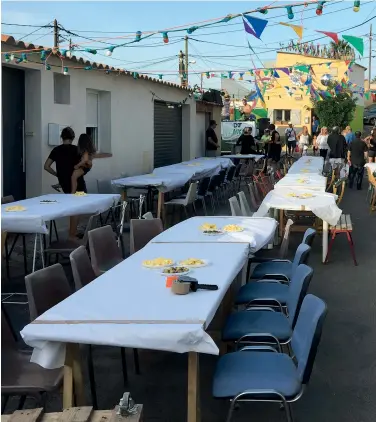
(175, 270)
(194, 263)
(80, 194)
(233, 228)
(157, 263)
(15, 208)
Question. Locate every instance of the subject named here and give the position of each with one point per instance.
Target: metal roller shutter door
(167, 134)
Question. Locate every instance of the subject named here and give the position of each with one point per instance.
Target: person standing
(65, 157)
(247, 142)
(303, 140)
(211, 140)
(265, 139)
(315, 125)
(337, 144)
(349, 135)
(322, 142)
(275, 146)
(290, 134)
(371, 141)
(357, 156)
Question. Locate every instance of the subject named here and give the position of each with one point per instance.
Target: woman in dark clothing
(275, 146)
(247, 142)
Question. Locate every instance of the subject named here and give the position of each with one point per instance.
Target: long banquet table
(38, 213)
(168, 178)
(289, 194)
(144, 313)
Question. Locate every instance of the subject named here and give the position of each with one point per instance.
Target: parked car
(369, 117)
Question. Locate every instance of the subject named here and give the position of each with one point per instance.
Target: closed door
(13, 136)
(167, 134)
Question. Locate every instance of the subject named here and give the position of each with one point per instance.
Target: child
(314, 142)
(265, 139)
(86, 150)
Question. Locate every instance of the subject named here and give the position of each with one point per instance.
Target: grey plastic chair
(82, 270)
(104, 251)
(260, 373)
(46, 288)
(143, 231)
(244, 206)
(189, 199)
(235, 207)
(19, 376)
(257, 323)
(67, 246)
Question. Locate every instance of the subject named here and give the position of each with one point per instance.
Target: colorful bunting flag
(241, 76)
(356, 42)
(367, 95)
(285, 69)
(332, 35)
(262, 101)
(297, 28)
(275, 74)
(302, 68)
(257, 24)
(308, 81)
(328, 64)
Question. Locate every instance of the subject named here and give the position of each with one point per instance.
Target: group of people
(72, 163)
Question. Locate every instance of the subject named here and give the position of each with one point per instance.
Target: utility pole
(370, 57)
(181, 68)
(56, 34)
(186, 60)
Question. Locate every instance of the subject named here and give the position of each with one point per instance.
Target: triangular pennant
(308, 81)
(275, 74)
(303, 68)
(260, 95)
(257, 24)
(332, 35)
(298, 29)
(241, 76)
(285, 69)
(367, 95)
(356, 42)
(328, 64)
(248, 29)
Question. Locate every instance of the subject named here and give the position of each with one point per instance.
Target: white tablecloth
(129, 292)
(308, 181)
(322, 204)
(255, 157)
(174, 176)
(36, 215)
(257, 231)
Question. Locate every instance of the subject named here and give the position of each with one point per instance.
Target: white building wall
(357, 77)
(132, 121)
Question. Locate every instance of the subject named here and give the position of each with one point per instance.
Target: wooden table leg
(73, 380)
(281, 228)
(160, 205)
(325, 229)
(193, 411)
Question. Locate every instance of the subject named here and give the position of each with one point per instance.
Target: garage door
(167, 134)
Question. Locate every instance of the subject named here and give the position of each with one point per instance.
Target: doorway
(13, 136)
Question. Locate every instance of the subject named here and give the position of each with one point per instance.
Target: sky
(221, 48)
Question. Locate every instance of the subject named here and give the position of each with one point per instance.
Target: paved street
(343, 382)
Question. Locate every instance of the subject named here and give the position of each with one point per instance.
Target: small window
(278, 115)
(61, 88)
(93, 133)
(287, 115)
(282, 115)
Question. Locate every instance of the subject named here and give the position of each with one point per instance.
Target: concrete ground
(343, 382)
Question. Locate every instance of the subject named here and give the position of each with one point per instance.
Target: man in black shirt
(211, 140)
(337, 144)
(65, 157)
(356, 157)
(247, 142)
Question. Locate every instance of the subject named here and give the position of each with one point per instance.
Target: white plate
(159, 266)
(48, 203)
(205, 263)
(172, 274)
(218, 233)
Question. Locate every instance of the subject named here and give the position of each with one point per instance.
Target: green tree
(373, 81)
(337, 110)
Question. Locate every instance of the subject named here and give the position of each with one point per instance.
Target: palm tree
(373, 81)
(341, 49)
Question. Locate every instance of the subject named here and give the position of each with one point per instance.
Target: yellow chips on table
(80, 194)
(157, 262)
(15, 208)
(304, 171)
(208, 226)
(191, 262)
(300, 195)
(232, 228)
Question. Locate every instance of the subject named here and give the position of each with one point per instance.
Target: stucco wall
(132, 120)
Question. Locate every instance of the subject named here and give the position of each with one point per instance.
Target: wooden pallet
(73, 414)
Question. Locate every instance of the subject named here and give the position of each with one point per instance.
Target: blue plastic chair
(282, 268)
(309, 236)
(260, 373)
(265, 324)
